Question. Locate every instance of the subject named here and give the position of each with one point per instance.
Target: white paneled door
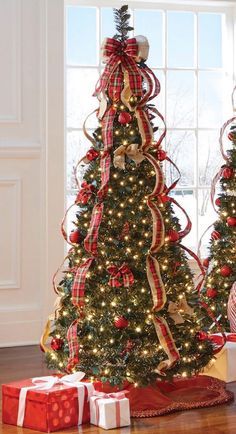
(31, 163)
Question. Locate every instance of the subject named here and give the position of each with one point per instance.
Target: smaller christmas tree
(220, 264)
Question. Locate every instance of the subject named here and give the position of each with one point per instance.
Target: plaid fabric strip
(73, 343)
(155, 282)
(78, 287)
(166, 340)
(159, 184)
(213, 188)
(116, 53)
(107, 128)
(162, 136)
(115, 84)
(135, 76)
(123, 272)
(91, 240)
(148, 86)
(173, 185)
(128, 277)
(145, 128)
(157, 86)
(110, 68)
(188, 227)
(158, 231)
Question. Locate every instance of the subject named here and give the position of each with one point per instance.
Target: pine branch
(121, 18)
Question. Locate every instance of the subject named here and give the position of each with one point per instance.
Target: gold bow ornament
(130, 151)
(176, 309)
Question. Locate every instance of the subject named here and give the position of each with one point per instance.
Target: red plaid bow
(120, 56)
(123, 272)
(85, 193)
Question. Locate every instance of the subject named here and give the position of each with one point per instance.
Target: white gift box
(109, 412)
(224, 366)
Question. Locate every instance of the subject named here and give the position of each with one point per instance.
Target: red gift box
(48, 410)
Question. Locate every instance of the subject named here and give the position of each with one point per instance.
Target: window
(190, 54)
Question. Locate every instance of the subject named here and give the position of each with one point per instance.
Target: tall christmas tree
(127, 306)
(220, 264)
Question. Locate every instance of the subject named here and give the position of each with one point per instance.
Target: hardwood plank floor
(23, 362)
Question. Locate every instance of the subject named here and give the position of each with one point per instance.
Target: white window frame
(229, 57)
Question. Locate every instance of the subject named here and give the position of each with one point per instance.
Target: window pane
(206, 216)
(180, 36)
(180, 146)
(210, 40)
(209, 156)
(210, 107)
(77, 146)
(150, 24)
(80, 102)
(81, 35)
(187, 200)
(180, 99)
(107, 23)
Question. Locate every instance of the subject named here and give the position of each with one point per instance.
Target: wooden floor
(23, 362)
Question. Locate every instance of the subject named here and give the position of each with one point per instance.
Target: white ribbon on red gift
(116, 396)
(46, 383)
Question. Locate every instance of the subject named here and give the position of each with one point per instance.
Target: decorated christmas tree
(127, 308)
(220, 264)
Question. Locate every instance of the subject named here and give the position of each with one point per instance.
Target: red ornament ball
(75, 237)
(121, 322)
(161, 155)
(92, 154)
(232, 136)
(124, 118)
(228, 172)
(231, 221)
(202, 336)
(226, 271)
(206, 262)
(211, 292)
(215, 235)
(218, 201)
(173, 235)
(56, 344)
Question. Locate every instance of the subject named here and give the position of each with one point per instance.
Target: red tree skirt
(181, 394)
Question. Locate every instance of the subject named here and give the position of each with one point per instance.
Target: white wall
(31, 164)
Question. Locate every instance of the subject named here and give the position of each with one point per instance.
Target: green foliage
(104, 349)
(121, 18)
(222, 252)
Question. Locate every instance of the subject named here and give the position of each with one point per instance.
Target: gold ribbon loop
(131, 151)
(175, 310)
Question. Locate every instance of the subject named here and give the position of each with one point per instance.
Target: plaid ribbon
(188, 227)
(153, 270)
(105, 162)
(222, 131)
(91, 240)
(119, 56)
(79, 283)
(73, 345)
(152, 91)
(117, 274)
(145, 128)
(85, 193)
(155, 283)
(167, 343)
